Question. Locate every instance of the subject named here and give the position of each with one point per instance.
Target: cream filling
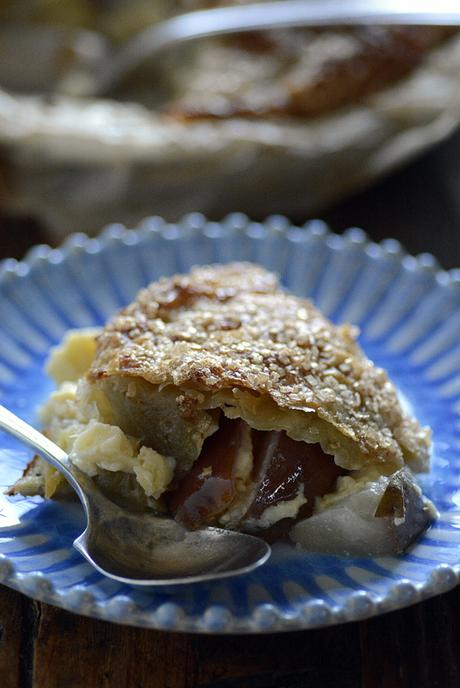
(288, 508)
(77, 418)
(70, 360)
(348, 485)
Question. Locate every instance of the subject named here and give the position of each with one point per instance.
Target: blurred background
(356, 126)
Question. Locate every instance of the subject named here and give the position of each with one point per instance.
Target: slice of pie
(221, 399)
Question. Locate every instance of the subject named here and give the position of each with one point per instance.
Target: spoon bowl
(161, 552)
(141, 548)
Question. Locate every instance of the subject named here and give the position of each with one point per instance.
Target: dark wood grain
(43, 647)
(418, 646)
(11, 618)
(294, 659)
(77, 652)
(70, 651)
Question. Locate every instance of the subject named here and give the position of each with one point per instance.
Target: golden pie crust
(229, 337)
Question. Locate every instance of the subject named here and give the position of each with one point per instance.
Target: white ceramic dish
(77, 165)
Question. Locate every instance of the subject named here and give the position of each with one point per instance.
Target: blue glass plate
(409, 314)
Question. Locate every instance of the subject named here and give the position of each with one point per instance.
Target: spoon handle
(271, 15)
(50, 451)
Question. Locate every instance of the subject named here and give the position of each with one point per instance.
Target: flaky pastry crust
(230, 337)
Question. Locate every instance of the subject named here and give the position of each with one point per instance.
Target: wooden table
(44, 647)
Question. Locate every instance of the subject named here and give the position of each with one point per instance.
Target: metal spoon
(267, 15)
(143, 549)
